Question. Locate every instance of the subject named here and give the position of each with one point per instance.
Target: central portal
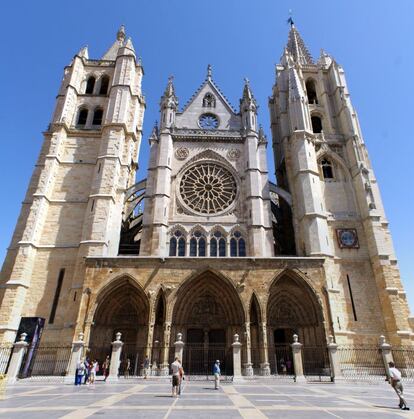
(208, 312)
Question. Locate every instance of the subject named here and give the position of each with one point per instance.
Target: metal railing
(45, 360)
(404, 361)
(5, 354)
(361, 362)
(316, 364)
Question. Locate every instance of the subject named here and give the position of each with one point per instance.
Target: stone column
(248, 366)
(336, 372)
(164, 367)
(179, 345)
(115, 358)
(19, 350)
(75, 357)
(386, 354)
(264, 364)
(297, 360)
(237, 373)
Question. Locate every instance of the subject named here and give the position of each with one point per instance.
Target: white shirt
(395, 374)
(175, 366)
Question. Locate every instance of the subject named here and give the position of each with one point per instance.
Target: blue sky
(240, 38)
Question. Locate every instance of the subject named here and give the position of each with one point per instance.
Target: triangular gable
(215, 89)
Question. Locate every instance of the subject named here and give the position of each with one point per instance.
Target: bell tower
(322, 161)
(73, 206)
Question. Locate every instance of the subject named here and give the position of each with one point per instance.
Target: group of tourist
(86, 370)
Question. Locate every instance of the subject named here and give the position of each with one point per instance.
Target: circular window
(208, 188)
(208, 121)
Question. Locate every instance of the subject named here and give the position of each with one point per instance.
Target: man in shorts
(175, 367)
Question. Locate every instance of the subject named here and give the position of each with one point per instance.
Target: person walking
(217, 373)
(80, 372)
(105, 367)
(175, 367)
(146, 366)
(182, 378)
(127, 368)
(395, 381)
(92, 373)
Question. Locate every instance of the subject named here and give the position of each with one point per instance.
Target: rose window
(208, 188)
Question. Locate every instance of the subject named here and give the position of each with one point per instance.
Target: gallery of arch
(205, 245)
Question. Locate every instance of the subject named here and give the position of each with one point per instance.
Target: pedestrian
(395, 381)
(105, 367)
(92, 373)
(216, 372)
(182, 378)
(146, 366)
(80, 371)
(87, 370)
(127, 368)
(175, 367)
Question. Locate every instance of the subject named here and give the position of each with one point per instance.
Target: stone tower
(207, 188)
(322, 162)
(73, 206)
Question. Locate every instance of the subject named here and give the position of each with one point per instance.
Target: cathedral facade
(206, 245)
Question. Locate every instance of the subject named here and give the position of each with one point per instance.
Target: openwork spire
(297, 47)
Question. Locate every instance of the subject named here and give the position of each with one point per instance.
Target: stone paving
(152, 399)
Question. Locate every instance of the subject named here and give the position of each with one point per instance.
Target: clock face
(348, 238)
(208, 121)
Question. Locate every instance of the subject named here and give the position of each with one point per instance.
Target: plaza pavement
(138, 398)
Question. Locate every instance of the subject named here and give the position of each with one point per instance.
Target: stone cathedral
(206, 245)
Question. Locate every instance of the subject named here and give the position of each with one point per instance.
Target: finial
(290, 20)
(120, 36)
(209, 71)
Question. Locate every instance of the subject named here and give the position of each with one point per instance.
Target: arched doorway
(121, 308)
(293, 308)
(208, 312)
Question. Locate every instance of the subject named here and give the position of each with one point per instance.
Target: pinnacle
(297, 48)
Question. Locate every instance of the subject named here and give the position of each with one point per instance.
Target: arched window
(97, 117)
(177, 244)
(237, 245)
(103, 90)
(90, 84)
(209, 101)
(217, 245)
(311, 91)
(327, 169)
(316, 124)
(197, 244)
(82, 117)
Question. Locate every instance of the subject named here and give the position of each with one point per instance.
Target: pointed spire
(154, 133)
(169, 90)
(209, 72)
(83, 52)
(297, 47)
(120, 35)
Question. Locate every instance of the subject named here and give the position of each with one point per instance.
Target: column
(297, 360)
(336, 372)
(164, 367)
(115, 358)
(19, 350)
(237, 375)
(179, 345)
(75, 357)
(386, 354)
(264, 364)
(248, 366)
